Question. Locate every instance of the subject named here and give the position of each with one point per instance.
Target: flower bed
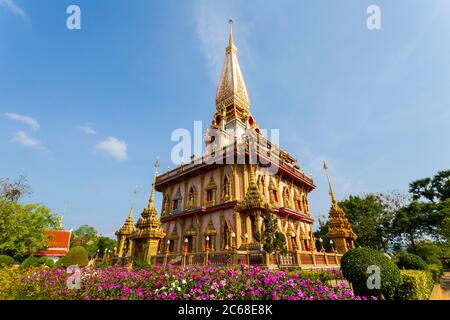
(161, 282)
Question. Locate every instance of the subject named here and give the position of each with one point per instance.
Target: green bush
(411, 261)
(76, 256)
(314, 275)
(355, 264)
(416, 285)
(436, 271)
(46, 261)
(31, 261)
(5, 260)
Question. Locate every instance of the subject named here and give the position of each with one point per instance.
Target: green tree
(370, 216)
(433, 189)
(105, 243)
(321, 233)
(274, 240)
(409, 223)
(87, 237)
(22, 228)
(429, 213)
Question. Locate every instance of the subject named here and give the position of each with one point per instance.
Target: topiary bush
(76, 256)
(355, 264)
(6, 261)
(416, 285)
(411, 261)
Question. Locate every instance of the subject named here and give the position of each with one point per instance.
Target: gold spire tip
(333, 199)
(230, 40)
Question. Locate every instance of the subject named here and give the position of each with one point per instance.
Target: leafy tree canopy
(22, 228)
(274, 240)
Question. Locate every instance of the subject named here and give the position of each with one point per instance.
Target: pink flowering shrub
(170, 283)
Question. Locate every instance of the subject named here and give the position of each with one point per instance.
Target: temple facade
(213, 206)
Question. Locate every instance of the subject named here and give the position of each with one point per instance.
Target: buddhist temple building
(213, 206)
(58, 244)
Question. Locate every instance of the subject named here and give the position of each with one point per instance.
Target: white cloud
(87, 130)
(32, 122)
(212, 30)
(25, 140)
(114, 147)
(14, 8)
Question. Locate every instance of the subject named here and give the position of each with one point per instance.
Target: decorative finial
(152, 193)
(135, 191)
(230, 40)
(157, 164)
(333, 199)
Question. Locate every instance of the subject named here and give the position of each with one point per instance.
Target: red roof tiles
(58, 243)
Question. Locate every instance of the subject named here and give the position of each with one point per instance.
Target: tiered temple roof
(149, 224)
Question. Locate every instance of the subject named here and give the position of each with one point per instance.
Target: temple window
(226, 191)
(210, 192)
(273, 193)
(286, 198)
(165, 204)
(209, 195)
(171, 245)
(176, 203)
(192, 198)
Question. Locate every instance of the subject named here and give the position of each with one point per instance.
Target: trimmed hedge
(5, 260)
(417, 285)
(76, 256)
(355, 264)
(436, 271)
(32, 261)
(411, 261)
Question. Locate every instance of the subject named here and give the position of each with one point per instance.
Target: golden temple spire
(231, 88)
(152, 193)
(333, 199)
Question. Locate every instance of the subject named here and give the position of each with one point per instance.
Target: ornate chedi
(148, 233)
(124, 242)
(219, 204)
(213, 205)
(339, 228)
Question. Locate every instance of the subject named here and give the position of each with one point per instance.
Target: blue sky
(374, 104)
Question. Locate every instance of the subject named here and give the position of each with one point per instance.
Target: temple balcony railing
(290, 259)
